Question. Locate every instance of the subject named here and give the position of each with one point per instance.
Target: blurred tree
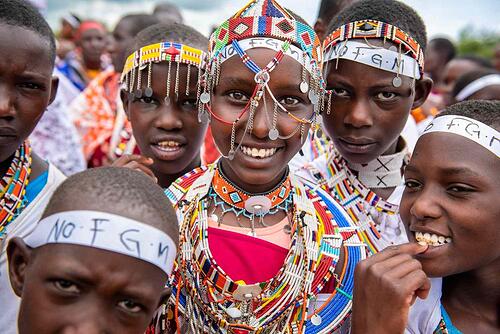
(478, 42)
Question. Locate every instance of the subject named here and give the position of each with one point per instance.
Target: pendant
(316, 320)
(313, 97)
(205, 98)
(148, 92)
(273, 134)
(258, 205)
(167, 101)
(233, 312)
(304, 87)
(287, 229)
(138, 94)
(396, 82)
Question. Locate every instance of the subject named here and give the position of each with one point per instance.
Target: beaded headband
(162, 52)
(469, 128)
(366, 29)
(264, 24)
(108, 232)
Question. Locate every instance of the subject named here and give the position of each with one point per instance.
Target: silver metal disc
(148, 92)
(313, 97)
(304, 87)
(167, 100)
(396, 82)
(273, 134)
(205, 97)
(316, 320)
(203, 117)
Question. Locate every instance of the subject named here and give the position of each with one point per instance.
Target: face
(368, 113)
(260, 162)
(488, 93)
(93, 43)
(120, 44)
(170, 133)
(452, 191)
(453, 70)
(65, 290)
(26, 85)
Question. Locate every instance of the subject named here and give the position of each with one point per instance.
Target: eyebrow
(450, 171)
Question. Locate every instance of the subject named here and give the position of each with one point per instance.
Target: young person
(366, 106)
(450, 207)
(98, 111)
(87, 61)
(162, 80)
(261, 253)
(92, 267)
(27, 87)
(483, 84)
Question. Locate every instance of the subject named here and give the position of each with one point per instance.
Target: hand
(385, 286)
(137, 162)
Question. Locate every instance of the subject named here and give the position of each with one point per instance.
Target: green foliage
(478, 42)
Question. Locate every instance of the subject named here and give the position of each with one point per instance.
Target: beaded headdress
(265, 24)
(407, 58)
(170, 52)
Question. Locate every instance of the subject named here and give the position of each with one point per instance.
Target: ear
(19, 256)
(320, 28)
(164, 296)
(422, 90)
(54, 85)
(125, 97)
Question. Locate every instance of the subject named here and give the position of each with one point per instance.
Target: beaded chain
(212, 303)
(13, 185)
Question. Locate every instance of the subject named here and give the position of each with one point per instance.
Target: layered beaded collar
(13, 187)
(212, 302)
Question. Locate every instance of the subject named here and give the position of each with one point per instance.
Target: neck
(476, 291)
(250, 188)
(165, 180)
(92, 64)
(4, 165)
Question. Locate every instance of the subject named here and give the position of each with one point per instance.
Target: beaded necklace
(355, 198)
(13, 187)
(212, 302)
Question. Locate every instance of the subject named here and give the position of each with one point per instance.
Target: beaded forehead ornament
(162, 52)
(407, 58)
(264, 24)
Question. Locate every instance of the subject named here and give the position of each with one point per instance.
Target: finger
(145, 170)
(391, 251)
(126, 158)
(404, 267)
(418, 282)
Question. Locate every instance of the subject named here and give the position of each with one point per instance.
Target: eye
(238, 96)
(386, 96)
(340, 92)
(190, 103)
(290, 101)
(30, 85)
(460, 189)
(66, 286)
(412, 184)
(130, 306)
(145, 100)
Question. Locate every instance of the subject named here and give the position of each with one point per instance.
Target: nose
(168, 117)
(111, 47)
(261, 120)
(6, 102)
(426, 204)
(360, 115)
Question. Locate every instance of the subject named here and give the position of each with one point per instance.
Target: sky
(442, 17)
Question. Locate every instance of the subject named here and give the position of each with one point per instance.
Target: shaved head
(120, 191)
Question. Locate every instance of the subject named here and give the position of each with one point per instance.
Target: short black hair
(117, 190)
(392, 12)
(21, 13)
(469, 77)
(171, 32)
(329, 8)
(167, 7)
(443, 47)
(487, 112)
(482, 62)
(139, 22)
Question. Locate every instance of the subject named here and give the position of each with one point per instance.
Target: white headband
(469, 128)
(378, 57)
(477, 85)
(268, 43)
(109, 232)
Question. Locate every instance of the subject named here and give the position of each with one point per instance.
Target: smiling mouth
(258, 153)
(431, 239)
(168, 146)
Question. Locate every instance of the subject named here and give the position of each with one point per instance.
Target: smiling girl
(258, 249)
(450, 207)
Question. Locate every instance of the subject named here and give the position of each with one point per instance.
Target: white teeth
(258, 153)
(168, 145)
(431, 239)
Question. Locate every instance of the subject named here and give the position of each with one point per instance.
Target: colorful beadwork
(13, 187)
(365, 29)
(204, 293)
